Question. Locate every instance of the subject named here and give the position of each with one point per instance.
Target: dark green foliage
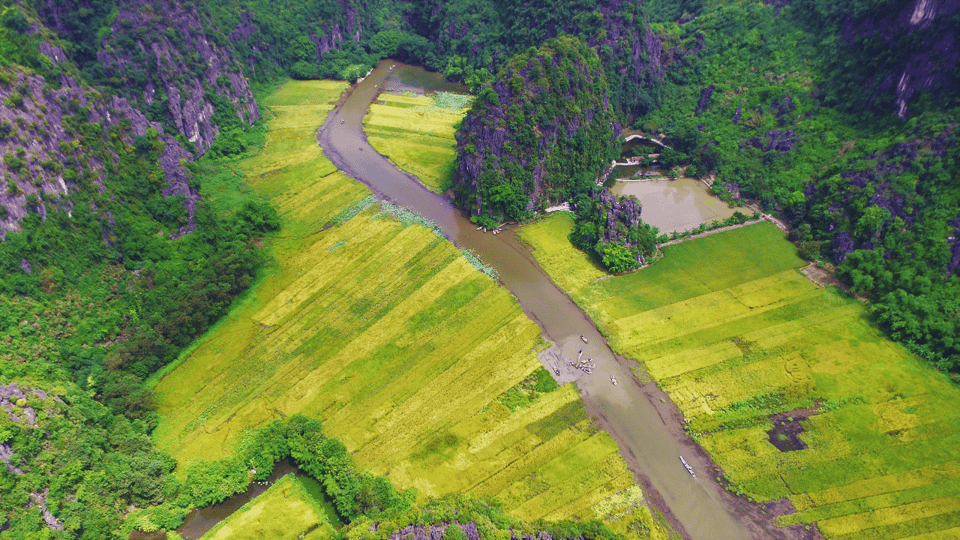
(541, 134)
(89, 463)
(528, 390)
(610, 229)
(349, 63)
(662, 11)
(14, 20)
(454, 532)
(17, 45)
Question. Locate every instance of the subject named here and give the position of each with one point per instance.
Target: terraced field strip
(389, 335)
(290, 508)
(417, 134)
(736, 335)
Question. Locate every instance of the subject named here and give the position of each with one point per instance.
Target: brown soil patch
(785, 435)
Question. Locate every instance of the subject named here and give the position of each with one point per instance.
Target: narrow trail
(647, 426)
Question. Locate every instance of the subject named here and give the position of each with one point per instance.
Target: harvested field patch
(785, 435)
(744, 344)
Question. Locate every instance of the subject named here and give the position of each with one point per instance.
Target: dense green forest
(841, 117)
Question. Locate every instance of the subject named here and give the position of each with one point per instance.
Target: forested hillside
(541, 134)
(841, 117)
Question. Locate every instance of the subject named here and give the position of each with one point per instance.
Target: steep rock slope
(165, 58)
(46, 140)
(541, 134)
(889, 55)
(486, 33)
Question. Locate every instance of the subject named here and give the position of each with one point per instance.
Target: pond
(674, 205)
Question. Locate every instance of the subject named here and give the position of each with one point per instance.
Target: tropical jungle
(194, 294)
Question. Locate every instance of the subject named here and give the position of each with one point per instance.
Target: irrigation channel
(645, 423)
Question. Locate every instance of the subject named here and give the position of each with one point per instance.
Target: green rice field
(868, 437)
(291, 507)
(409, 355)
(417, 134)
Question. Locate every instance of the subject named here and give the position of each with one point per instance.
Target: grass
(391, 336)
(290, 508)
(729, 328)
(416, 133)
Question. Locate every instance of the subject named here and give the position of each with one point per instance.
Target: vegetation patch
(528, 390)
(746, 346)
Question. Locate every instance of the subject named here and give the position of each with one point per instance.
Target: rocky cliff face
(541, 134)
(470, 530)
(166, 74)
(44, 137)
(168, 62)
(888, 192)
(489, 33)
(922, 39)
(262, 42)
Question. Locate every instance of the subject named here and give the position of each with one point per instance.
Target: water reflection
(675, 205)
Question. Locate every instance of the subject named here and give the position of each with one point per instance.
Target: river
(647, 426)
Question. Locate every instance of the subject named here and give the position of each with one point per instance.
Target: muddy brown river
(648, 430)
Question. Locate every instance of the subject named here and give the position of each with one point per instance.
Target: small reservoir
(677, 204)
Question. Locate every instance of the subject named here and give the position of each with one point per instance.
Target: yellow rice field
(385, 332)
(734, 333)
(416, 135)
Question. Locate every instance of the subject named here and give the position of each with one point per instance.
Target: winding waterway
(646, 425)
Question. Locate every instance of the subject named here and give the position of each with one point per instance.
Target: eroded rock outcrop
(44, 136)
(541, 135)
(169, 59)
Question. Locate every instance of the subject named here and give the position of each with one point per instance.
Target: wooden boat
(583, 337)
(613, 380)
(688, 467)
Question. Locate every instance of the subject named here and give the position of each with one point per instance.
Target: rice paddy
(735, 334)
(417, 133)
(390, 335)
